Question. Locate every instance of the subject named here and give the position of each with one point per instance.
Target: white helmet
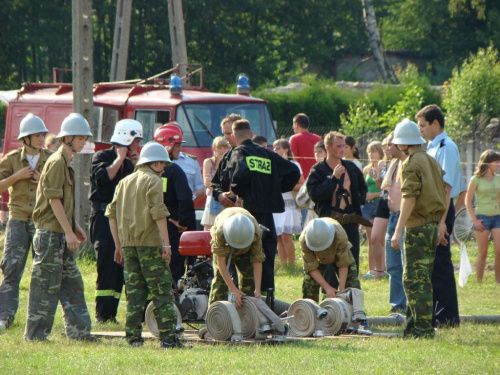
(151, 152)
(126, 131)
(31, 124)
(319, 234)
(75, 124)
(407, 133)
(239, 231)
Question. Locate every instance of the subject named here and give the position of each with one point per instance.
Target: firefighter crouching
(237, 238)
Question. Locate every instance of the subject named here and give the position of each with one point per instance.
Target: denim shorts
(489, 222)
(370, 209)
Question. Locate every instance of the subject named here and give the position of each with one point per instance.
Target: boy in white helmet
(19, 172)
(108, 168)
(324, 241)
(55, 275)
(138, 221)
(237, 238)
(422, 206)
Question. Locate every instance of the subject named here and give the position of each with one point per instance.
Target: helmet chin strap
(70, 144)
(29, 144)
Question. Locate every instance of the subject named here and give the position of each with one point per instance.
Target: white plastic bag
(465, 268)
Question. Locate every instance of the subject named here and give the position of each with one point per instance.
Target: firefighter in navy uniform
(108, 168)
(178, 198)
(258, 177)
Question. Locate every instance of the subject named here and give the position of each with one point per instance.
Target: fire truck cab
(197, 111)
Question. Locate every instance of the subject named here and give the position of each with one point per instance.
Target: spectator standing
(337, 188)
(108, 168)
(380, 221)
(422, 206)
(351, 152)
(485, 186)
(260, 140)
(51, 142)
(302, 143)
(288, 222)
(212, 208)
(20, 173)
(394, 258)
(431, 122)
(55, 275)
(372, 176)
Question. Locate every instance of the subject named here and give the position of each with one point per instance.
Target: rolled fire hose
(223, 321)
(338, 318)
(150, 319)
(258, 320)
(252, 320)
(305, 313)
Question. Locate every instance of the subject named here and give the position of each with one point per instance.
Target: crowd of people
(257, 199)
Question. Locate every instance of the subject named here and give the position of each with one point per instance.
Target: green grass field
(470, 349)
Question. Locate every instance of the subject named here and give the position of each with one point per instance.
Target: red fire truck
(152, 102)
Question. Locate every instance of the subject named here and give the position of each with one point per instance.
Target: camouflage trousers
(55, 277)
(147, 273)
(18, 240)
(219, 290)
(420, 249)
(310, 288)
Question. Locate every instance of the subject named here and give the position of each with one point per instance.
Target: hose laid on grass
(223, 321)
(304, 312)
(150, 319)
(338, 317)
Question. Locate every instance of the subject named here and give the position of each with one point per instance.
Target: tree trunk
(379, 56)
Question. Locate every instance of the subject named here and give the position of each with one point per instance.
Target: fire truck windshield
(201, 122)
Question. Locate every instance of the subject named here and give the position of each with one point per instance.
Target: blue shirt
(446, 153)
(192, 171)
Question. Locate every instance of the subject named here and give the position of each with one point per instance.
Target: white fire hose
(150, 319)
(254, 320)
(305, 315)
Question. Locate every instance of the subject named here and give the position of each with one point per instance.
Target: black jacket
(321, 186)
(178, 197)
(259, 176)
(221, 182)
(102, 188)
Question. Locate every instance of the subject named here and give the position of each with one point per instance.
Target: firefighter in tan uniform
(19, 172)
(237, 238)
(55, 275)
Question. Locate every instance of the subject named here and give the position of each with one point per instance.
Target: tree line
(273, 42)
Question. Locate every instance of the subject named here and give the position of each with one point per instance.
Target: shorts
(489, 222)
(383, 209)
(370, 209)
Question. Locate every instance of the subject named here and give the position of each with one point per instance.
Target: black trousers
(177, 261)
(445, 308)
(269, 246)
(109, 282)
(331, 271)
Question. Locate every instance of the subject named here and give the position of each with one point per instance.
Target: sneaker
(175, 344)
(369, 275)
(395, 310)
(137, 343)
(3, 324)
(365, 325)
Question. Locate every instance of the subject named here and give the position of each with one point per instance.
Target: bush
(331, 107)
(472, 97)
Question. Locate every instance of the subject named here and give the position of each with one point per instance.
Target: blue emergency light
(243, 87)
(175, 85)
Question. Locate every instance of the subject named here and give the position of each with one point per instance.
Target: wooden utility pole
(121, 40)
(177, 35)
(83, 99)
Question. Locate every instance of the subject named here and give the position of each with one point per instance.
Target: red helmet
(168, 135)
